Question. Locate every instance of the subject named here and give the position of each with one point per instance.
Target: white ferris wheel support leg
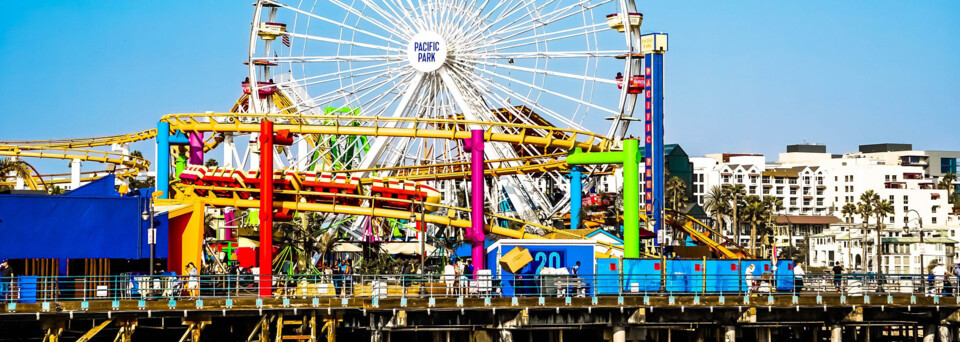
(475, 110)
(380, 143)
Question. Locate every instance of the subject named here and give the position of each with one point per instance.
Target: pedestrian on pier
(6, 276)
(193, 281)
(939, 277)
(798, 274)
(838, 277)
(449, 276)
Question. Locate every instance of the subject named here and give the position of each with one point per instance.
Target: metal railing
(27, 289)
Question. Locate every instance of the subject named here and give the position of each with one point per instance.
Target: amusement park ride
(444, 114)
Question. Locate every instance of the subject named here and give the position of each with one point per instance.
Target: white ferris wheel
(532, 62)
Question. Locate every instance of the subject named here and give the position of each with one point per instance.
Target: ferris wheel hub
(427, 51)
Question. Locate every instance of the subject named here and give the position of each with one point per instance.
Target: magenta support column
(474, 146)
(196, 148)
(228, 220)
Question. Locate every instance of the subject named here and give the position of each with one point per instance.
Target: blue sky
(741, 76)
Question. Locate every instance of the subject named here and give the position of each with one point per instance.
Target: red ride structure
(267, 140)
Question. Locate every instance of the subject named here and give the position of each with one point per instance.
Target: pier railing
(28, 289)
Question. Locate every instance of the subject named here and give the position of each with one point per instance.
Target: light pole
(151, 233)
(922, 248)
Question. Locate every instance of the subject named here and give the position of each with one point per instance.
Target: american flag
(286, 40)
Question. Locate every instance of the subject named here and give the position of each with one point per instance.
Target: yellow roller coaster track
(187, 193)
(455, 129)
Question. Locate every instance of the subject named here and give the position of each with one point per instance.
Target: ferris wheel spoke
(369, 19)
(345, 42)
(501, 44)
(551, 92)
(376, 150)
(333, 95)
(551, 73)
(505, 13)
(550, 18)
(544, 54)
(322, 59)
(337, 75)
(392, 16)
(324, 19)
(531, 103)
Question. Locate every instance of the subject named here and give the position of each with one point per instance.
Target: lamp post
(151, 233)
(922, 248)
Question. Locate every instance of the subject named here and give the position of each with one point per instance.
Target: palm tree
(755, 212)
(20, 169)
(718, 204)
(946, 183)
(676, 191)
(736, 193)
(775, 205)
(881, 209)
(866, 208)
(848, 211)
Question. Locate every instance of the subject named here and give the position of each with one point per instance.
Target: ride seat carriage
(330, 185)
(615, 21)
(634, 86)
(406, 191)
(263, 88)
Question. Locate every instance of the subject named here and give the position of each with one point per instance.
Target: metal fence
(166, 287)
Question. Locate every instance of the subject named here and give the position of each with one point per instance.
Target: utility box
(516, 259)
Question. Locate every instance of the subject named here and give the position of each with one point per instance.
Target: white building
(902, 254)
(811, 182)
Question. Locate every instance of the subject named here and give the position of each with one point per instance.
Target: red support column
(266, 207)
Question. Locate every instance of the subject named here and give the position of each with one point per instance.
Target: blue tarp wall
(643, 275)
(93, 221)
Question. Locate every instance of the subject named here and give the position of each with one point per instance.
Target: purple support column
(228, 220)
(196, 148)
(474, 146)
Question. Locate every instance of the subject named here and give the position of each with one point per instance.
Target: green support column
(631, 188)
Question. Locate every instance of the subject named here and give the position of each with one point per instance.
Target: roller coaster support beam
(576, 195)
(75, 174)
(267, 140)
(474, 145)
(631, 188)
(163, 158)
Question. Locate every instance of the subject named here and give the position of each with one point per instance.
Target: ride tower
(653, 46)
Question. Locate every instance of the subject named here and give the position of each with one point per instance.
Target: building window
(892, 219)
(948, 165)
(906, 199)
(886, 178)
(891, 198)
(933, 220)
(906, 209)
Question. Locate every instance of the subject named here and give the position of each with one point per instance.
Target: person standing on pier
(798, 274)
(939, 276)
(838, 276)
(193, 281)
(449, 276)
(6, 276)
